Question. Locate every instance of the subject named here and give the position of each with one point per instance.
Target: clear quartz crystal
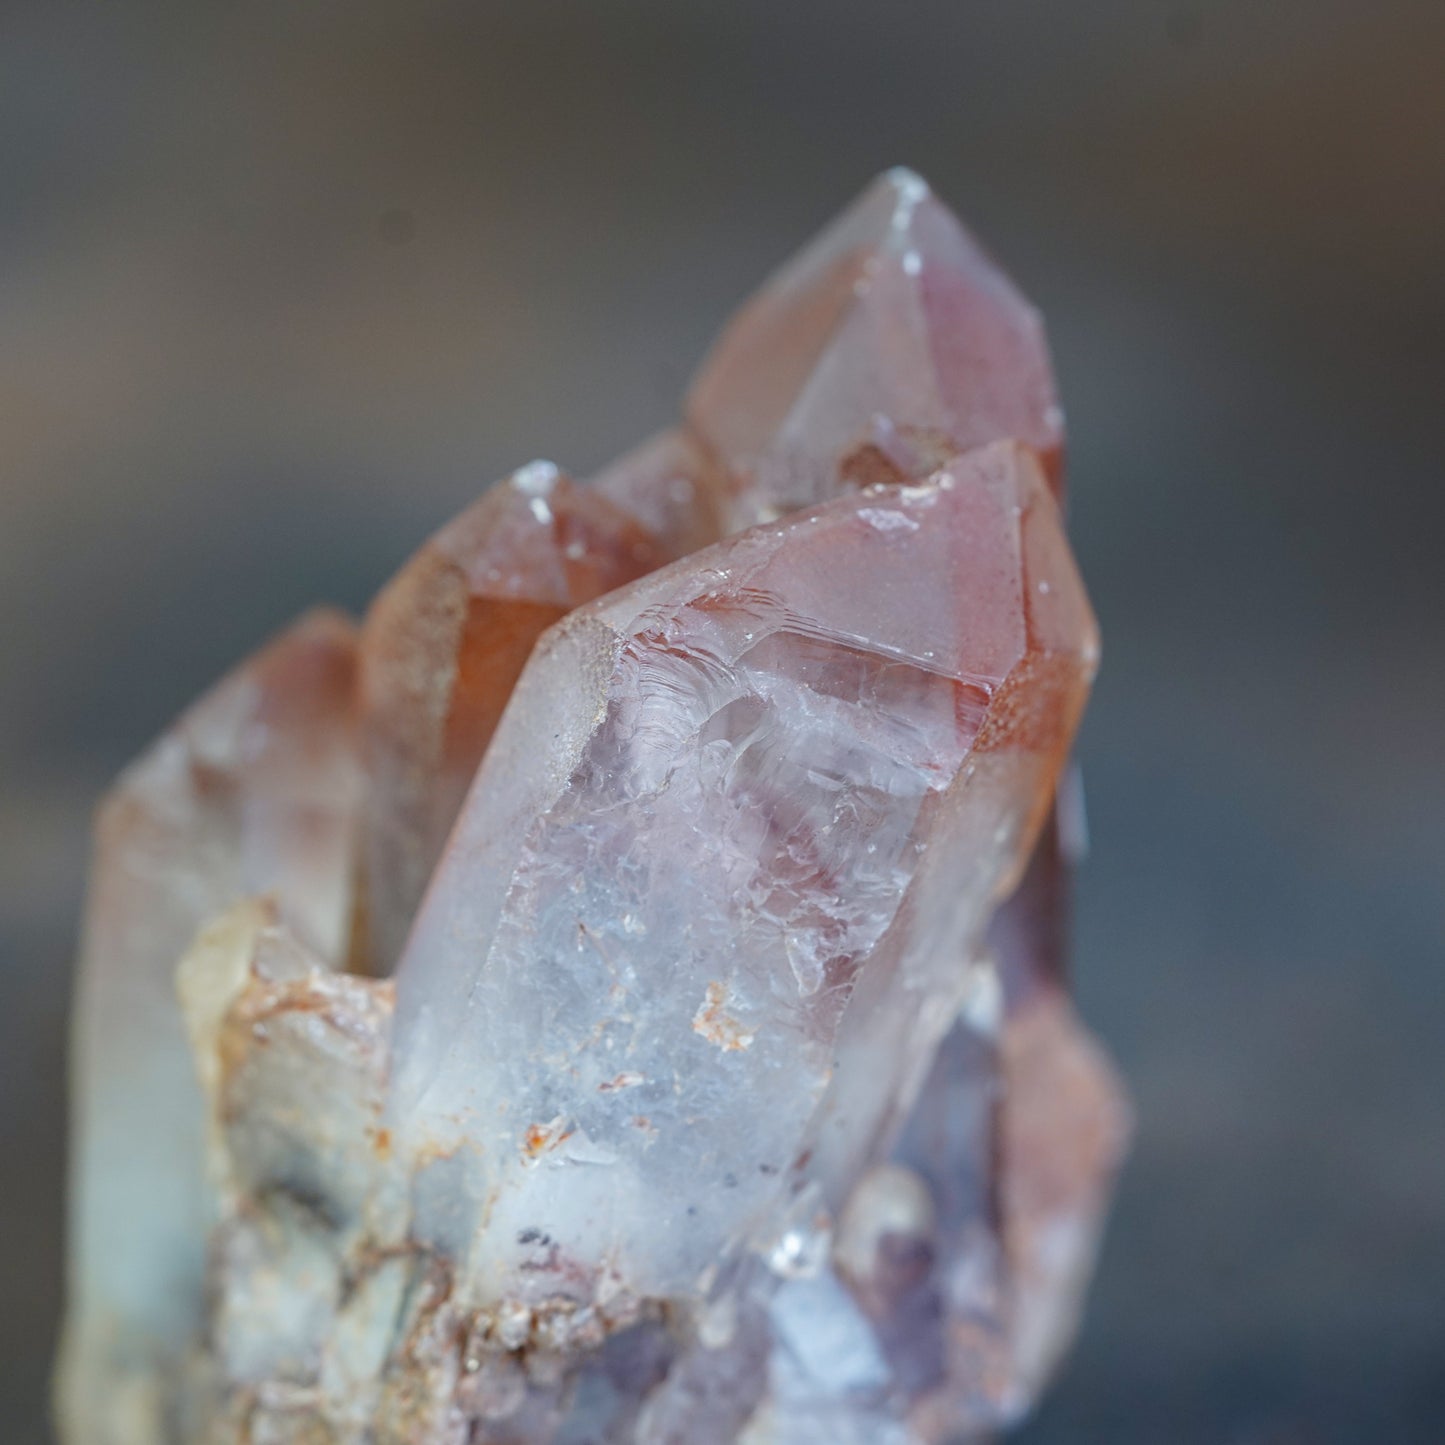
(727, 1088)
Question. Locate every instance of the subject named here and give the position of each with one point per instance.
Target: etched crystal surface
(726, 1086)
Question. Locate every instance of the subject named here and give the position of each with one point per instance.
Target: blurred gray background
(281, 287)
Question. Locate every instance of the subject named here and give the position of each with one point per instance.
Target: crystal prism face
(443, 647)
(892, 328)
(727, 1087)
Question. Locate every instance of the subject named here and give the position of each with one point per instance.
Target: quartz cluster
(616, 993)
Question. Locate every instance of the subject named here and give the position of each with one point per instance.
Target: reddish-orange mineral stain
(443, 647)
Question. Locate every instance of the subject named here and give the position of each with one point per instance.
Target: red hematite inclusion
(613, 1012)
(443, 647)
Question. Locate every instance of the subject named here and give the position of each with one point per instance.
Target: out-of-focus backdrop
(282, 286)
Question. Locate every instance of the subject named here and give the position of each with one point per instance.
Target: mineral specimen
(619, 996)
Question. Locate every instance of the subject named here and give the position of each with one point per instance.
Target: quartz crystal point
(443, 647)
(722, 1093)
(892, 331)
(723, 802)
(255, 790)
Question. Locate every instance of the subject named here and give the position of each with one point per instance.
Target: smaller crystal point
(444, 644)
(1063, 1130)
(723, 1093)
(893, 328)
(256, 789)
